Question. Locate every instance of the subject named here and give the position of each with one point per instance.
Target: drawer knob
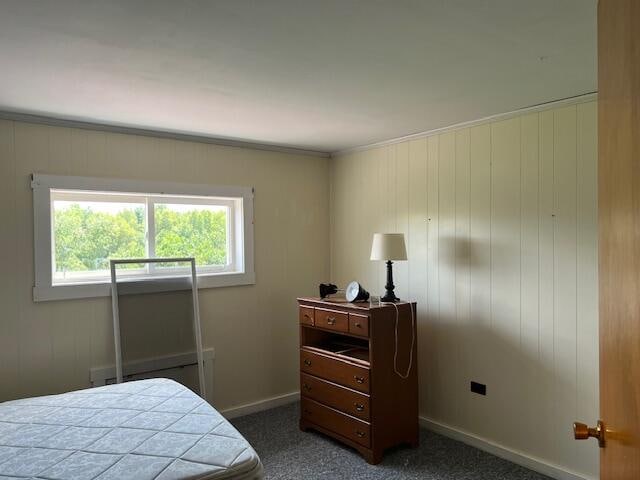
(331, 321)
(359, 407)
(358, 325)
(306, 315)
(306, 387)
(358, 379)
(360, 434)
(307, 362)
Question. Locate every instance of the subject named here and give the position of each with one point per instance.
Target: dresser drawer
(332, 320)
(359, 325)
(349, 427)
(306, 316)
(335, 370)
(341, 398)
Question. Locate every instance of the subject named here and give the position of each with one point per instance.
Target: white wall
(49, 347)
(500, 222)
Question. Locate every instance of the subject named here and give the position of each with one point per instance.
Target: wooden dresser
(348, 386)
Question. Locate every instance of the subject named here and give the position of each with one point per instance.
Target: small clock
(355, 293)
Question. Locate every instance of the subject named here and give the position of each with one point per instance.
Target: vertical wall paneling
(9, 326)
(529, 270)
(505, 264)
(546, 301)
(462, 263)
(480, 273)
(49, 347)
(565, 284)
(391, 199)
(417, 247)
(379, 163)
(505, 268)
(369, 213)
(587, 274)
(35, 337)
(448, 348)
(401, 269)
(435, 368)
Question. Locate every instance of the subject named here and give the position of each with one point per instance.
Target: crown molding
(168, 134)
(582, 98)
(229, 142)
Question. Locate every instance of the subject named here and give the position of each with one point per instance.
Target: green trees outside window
(197, 232)
(86, 235)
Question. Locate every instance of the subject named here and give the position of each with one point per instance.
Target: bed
(149, 429)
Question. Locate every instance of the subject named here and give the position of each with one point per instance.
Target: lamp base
(389, 296)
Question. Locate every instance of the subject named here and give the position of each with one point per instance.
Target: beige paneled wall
(500, 222)
(49, 347)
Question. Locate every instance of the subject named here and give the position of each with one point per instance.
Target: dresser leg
(372, 457)
(414, 438)
(303, 425)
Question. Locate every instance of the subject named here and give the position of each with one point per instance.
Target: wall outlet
(479, 388)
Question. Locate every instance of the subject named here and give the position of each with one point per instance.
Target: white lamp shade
(388, 246)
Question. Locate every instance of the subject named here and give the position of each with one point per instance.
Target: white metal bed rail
(196, 311)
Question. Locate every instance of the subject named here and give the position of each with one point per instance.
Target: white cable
(413, 341)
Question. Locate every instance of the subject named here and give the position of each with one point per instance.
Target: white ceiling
(317, 74)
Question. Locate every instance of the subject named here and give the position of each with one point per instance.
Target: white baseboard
(261, 405)
(513, 456)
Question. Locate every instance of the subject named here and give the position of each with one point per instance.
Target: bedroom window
(82, 223)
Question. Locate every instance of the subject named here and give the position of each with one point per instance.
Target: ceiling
(320, 75)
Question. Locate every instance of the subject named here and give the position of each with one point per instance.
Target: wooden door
(619, 235)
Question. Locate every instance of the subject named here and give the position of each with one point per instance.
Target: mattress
(149, 429)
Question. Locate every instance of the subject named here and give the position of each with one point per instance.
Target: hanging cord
(413, 341)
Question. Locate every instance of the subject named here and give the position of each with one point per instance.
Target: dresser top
(341, 302)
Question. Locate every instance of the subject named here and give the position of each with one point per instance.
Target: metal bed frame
(196, 312)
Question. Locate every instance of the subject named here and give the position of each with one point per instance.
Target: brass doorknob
(582, 432)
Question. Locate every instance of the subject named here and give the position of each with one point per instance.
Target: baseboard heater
(105, 375)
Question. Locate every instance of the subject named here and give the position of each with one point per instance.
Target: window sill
(130, 287)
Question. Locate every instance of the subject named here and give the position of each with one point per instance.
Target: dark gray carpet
(288, 453)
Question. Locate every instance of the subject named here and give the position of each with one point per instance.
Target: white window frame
(242, 254)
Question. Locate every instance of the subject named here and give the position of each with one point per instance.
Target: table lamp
(388, 247)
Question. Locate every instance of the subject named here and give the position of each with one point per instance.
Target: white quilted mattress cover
(150, 429)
